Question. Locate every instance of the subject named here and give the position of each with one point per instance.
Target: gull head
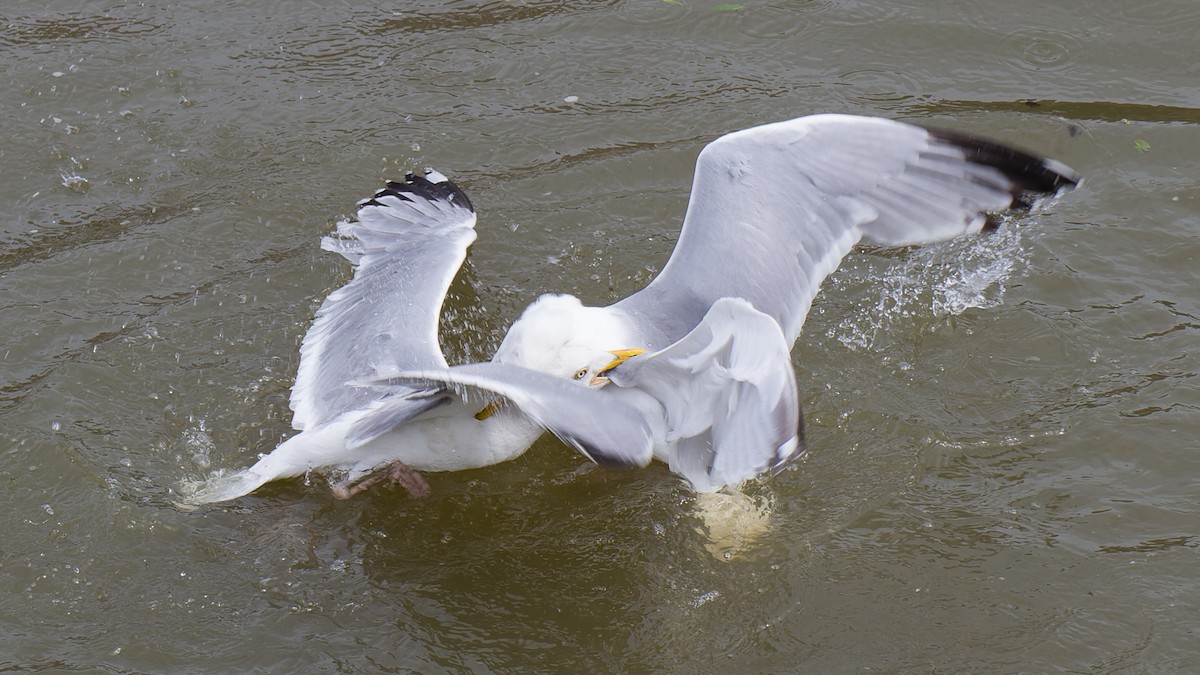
(559, 336)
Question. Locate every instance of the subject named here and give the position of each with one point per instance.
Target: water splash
(74, 182)
(732, 522)
(200, 444)
(939, 281)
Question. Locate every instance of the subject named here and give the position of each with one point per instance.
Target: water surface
(1003, 454)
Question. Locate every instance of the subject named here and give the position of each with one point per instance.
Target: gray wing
(728, 393)
(407, 244)
(400, 405)
(775, 208)
(605, 429)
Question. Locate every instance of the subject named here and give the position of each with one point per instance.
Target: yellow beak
(622, 355)
(488, 410)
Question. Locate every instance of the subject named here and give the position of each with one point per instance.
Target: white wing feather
(728, 396)
(775, 208)
(408, 243)
(605, 429)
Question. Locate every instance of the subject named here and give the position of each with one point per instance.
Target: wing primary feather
(1024, 170)
(407, 244)
(798, 195)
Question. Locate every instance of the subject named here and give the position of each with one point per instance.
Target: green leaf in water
(677, 3)
(728, 7)
(1141, 146)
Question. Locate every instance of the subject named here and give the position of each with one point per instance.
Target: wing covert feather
(605, 429)
(783, 203)
(728, 396)
(408, 243)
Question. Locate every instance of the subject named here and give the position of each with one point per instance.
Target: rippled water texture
(1003, 431)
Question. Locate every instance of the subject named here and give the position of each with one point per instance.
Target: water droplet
(75, 182)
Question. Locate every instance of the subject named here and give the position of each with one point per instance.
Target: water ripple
(1043, 49)
(1175, 17)
(31, 31)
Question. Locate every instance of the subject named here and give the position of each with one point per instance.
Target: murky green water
(1003, 432)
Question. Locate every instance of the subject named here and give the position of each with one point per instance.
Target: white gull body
(693, 370)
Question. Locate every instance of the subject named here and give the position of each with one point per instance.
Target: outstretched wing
(407, 244)
(605, 429)
(781, 204)
(728, 393)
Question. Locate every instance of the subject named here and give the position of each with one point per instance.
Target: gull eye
(581, 373)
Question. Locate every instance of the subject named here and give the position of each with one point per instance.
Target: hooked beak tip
(622, 355)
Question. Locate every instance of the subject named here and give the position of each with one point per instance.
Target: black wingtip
(801, 444)
(782, 458)
(1028, 173)
(443, 190)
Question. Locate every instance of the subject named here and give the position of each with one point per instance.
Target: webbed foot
(396, 473)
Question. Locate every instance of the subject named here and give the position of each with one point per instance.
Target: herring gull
(693, 370)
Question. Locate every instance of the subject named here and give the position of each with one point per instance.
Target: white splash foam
(938, 281)
(732, 522)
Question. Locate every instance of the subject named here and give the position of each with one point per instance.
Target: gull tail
(296, 456)
(223, 488)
